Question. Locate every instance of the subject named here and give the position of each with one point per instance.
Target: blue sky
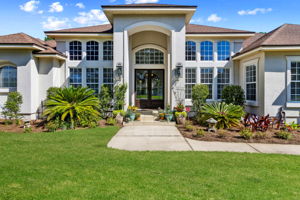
(35, 16)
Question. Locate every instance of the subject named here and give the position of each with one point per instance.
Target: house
(155, 50)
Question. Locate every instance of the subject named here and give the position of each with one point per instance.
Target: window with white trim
(149, 56)
(206, 51)
(206, 78)
(223, 79)
(92, 50)
(92, 79)
(190, 51)
(190, 81)
(223, 48)
(295, 81)
(251, 82)
(108, 78)
(108, 50)
(75, 49)
(8, 77)
(75, 77)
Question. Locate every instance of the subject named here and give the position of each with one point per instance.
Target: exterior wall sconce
(178, 71)
(119, 70)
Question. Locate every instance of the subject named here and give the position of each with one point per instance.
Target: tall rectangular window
(108, 50)
(223, 48)
(206, 78)
(295, 81)
(92, 79)
(223, 79)
(108, 78)
(75, 77)
(92, 50)
(251, 83)
(206, 51)
(190, 81)
(190, 51)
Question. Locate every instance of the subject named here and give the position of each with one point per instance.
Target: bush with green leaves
(105, 99)
(111, 121)
(227, 115)
(119, 96)
(247, 134)
(201, 133)
(72, 105)
(284, 135)
(52, 91)
(233, 94)
(200, 92)
(119, 112)
(12, 106)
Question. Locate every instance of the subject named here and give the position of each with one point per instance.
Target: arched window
(8, 77)
(149, 56)
(75, 50)
(108, 50)
(223, 50)
(190, 51)
(92, 50)
(206, 50)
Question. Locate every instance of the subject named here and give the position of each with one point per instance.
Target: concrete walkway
(168, 138)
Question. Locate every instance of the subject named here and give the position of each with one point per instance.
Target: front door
(149, 88)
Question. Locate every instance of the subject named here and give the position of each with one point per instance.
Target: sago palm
(72, 105)
(227, 115)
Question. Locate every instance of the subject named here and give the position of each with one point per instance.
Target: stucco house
(155, 50)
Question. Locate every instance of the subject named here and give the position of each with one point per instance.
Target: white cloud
(255, 11)
(93, 17)
(140, 1)
(56, 7)
(197, 20)
(30, 6)
(54, 23)
(214, 18)
(80, 5)
(40, 12)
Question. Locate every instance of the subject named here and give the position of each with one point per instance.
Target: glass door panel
(157, 85)
(142, 82)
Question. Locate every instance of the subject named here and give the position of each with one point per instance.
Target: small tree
(11, 107)
(119, 96)
(200, 93)
(105, 99)
(233, 94)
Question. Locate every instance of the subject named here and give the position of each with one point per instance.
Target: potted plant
(138, 116)
(169, 114)
(180, 117)
(179, 108)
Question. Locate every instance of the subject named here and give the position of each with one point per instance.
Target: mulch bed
(232, 135)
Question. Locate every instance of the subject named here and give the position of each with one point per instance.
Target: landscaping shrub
(246, 134)
(12, 106)
(119, 96)
(201, 133)
(111, 121)
(227, 115)
(200, 93)
(105, 100)
(221, 133)
(189, 128)
(28, 130)
(121, 112)
(284, 135)
(52, 91)
(73, 105)
(257, 123)
(233, 94)
(53, 125)
(260, 135)
(180, 114)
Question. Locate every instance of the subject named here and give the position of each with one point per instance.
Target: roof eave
(221, 34)
(50, 55)
(21, 46)
(79, 34)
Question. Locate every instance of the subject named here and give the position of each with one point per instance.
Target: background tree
(105, 99)
(200, 93)
(233, 94)
(12, 106)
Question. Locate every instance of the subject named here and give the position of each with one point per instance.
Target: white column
(172, 68)
(126, 67)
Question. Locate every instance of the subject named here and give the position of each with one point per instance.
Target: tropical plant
(246, 134)
(257, 123)
(200, 93)
(105, 100)
(233, 94)
(179, 108)
(12, 106)
(52, 91)
(227, 115)
(72, 105)
(119, 96)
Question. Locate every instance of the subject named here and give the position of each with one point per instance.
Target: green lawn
(77, 165)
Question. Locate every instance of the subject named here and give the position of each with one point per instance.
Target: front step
(155, 123)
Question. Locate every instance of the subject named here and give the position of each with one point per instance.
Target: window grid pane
(92, 50)
(108, 50)
(8, 77)
(190, 81)
(223, 79)
(251, 83)
(295, 81)
(92, 79)
(75, 77)
(190, 51)
(206, 50)
(75, 50)
(223, 50)
(206, 78)
(108, 78)
(149, 56)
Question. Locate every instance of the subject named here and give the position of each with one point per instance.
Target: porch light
(119, 70)
(178, 70)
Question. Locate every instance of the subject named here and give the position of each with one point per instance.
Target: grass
(77, 165)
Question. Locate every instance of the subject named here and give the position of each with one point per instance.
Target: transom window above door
(149, 56)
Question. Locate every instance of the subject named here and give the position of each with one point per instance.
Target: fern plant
(227, 115)
(72, 105)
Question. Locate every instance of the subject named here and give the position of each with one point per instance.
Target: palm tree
(72, 105)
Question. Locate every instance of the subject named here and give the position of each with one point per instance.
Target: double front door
(149, 88)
